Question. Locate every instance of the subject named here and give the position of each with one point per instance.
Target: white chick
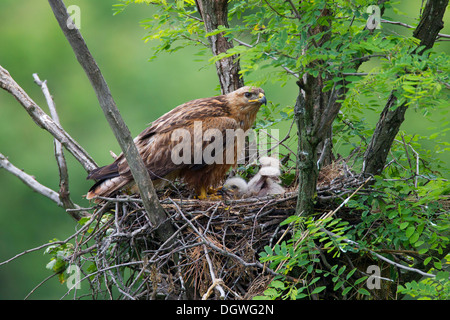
(235, 187)
(265, 182)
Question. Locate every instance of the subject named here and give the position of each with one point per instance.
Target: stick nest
(213, 253)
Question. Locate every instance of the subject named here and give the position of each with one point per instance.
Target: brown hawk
(199, 123)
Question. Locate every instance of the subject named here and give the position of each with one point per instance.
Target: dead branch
(44, 121)
(64, 193)
(30, 181)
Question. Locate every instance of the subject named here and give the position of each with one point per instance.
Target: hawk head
(247, 98)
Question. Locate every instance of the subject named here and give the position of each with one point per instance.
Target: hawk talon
(213, 197)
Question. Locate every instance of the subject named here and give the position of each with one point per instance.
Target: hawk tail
(104, 188)
(108, 179)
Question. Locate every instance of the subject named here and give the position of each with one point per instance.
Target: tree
(321, 46)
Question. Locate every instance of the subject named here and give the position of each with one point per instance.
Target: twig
(297, 14)
(102, 270)
(440, 35)
(295, 74)
(428, 275)
(64, 193)
(274, 10)
(85, 226)
(77, 213)
(216, 282)
(212, 245)
(30, 181)
(40, 284)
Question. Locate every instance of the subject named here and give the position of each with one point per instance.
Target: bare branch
(439, 35)
(216, 281)
(64, 193)
(44, 121)
(45, 245)
(30, 180)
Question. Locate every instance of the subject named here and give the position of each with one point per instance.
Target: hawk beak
(262, 99)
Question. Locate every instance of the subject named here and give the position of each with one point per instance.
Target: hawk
(159, 144)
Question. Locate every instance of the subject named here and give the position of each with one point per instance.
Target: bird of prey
(177, 144)
(265, 182)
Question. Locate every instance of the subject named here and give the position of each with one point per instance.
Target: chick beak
(224, 191)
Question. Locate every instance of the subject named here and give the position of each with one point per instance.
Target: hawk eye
(247, 94)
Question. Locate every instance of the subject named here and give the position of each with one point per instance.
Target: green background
(31, 42)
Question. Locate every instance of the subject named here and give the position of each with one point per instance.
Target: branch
(44, 121)
(213, 246)
(216, 281)
(215, 14)
(155, 212)
(379, 256)
(30, 181)
(439, 35)
(64, 193)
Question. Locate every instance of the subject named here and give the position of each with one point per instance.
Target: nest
(213, 253)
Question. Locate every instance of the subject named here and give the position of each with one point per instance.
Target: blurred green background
(31, 42)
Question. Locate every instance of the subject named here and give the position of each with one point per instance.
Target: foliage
(395, 217)
(437, 288)
(301, 258)
(271, 36)
(58, 261)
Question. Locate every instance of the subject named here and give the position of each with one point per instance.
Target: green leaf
(409, 232)
(437, 264)
(346, 290)
(442, 275)
(364, 278)
(277, 284)
(414, 238)
(350, 273)
(341, 270)
(403, 225)
(271, 292)
(318, 290)
(363, 291)
(338, 285)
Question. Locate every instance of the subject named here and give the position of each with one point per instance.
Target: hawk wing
(155, 145)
